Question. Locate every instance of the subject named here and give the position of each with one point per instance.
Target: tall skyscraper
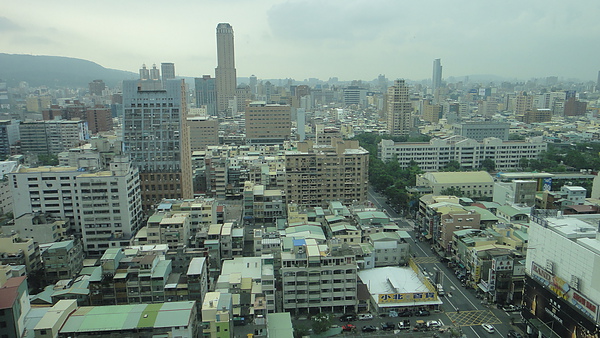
(437, 74)
(225, 72)
(399, 109)
(156, 136)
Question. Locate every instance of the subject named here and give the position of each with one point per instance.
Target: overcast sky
(350, 39)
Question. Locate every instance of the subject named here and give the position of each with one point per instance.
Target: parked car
(369, 328)
(347, 318)
(513, 334)
(365, 316)
(422, 313)
(348, 327)
(488, 328)
(404, 324)
(388, 326)
(434, 324)
(405, 313)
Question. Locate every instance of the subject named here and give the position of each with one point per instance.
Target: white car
(488, 328)
(434, 323)
(365, 316)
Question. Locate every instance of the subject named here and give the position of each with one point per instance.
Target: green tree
(452, 166)
(321, 322)
(488, 165)
(48, 159)
(453, 191)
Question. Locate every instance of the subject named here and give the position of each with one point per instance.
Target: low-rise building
(315, 278)
(217, 317)
(14, 306)
(62, 260)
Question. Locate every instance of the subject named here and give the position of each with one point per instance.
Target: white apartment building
(435, 154)
(252, 280)
(316, 278)
(105, 205)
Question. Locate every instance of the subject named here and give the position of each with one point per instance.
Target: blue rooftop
(299, 242)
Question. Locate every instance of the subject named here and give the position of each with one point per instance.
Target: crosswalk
(425, 260)
(471, 318)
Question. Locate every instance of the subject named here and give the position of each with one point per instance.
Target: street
(460, 305)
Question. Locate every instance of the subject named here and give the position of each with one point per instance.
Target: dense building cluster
(152, 209)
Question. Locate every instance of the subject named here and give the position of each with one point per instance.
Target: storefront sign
(406, 297)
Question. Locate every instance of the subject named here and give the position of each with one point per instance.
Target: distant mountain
(56, 71)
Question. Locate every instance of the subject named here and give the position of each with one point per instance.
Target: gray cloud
(33, 40)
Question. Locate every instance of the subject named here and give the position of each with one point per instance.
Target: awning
(461, 265)
(428, 237)
(483, 287)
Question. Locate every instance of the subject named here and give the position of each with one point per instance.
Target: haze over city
(307, 38)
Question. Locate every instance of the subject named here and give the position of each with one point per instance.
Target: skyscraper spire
(225, 73)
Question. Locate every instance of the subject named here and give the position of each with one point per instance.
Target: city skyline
(303, 39)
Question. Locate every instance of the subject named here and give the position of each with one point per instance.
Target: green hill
(56, 71)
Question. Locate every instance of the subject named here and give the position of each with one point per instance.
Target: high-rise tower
(399, 109)
(437, 74)
(168, 71)
(156, 137)
(225, 72)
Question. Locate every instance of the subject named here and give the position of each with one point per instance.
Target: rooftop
(129, 317)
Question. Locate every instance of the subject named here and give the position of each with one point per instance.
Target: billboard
(561, 289)
(544, 309)
(386, 298)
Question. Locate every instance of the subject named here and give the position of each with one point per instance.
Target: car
(404, 324)
(387, 326)
(511, 308)
(434, 323)
(422, 313)
(347, 318)
(488, 328)
(369, 328)
(348, 327)
(405, 313)
(513, 334)
(365, 316)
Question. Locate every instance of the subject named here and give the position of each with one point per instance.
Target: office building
(268, 123)
(399, 109)
(480, 130)
(52, 137)
(436, 79)
(204, 132)
(206, 94)
(225, 74)
(472, 183)
(318, 174)
(9, 135)
(435, 154)
(431, 112)
(167, 69)
(96, 87)
(156, 136)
